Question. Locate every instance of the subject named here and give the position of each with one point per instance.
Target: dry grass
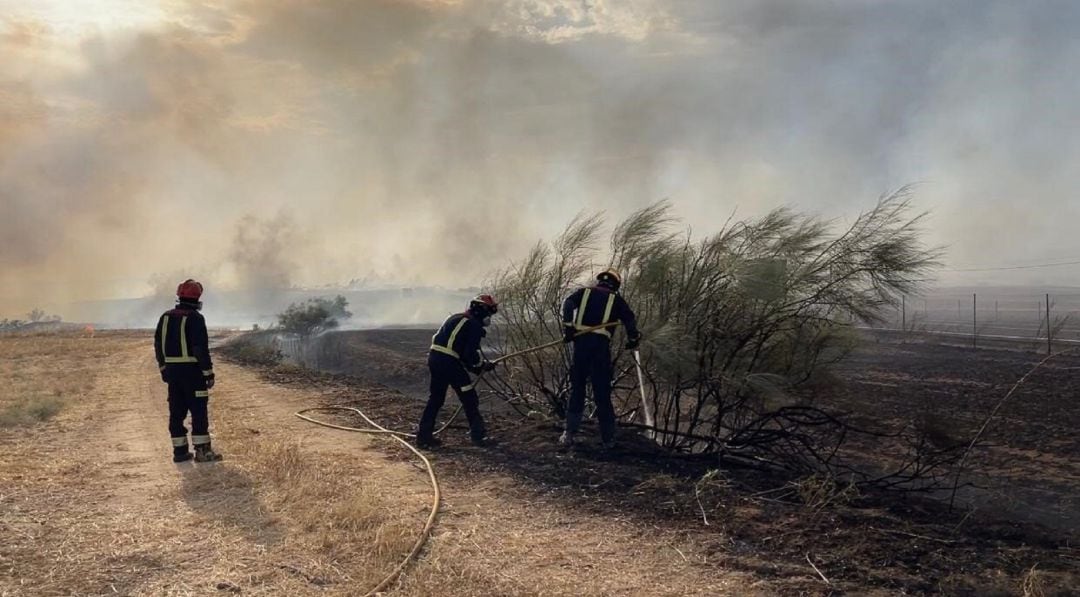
(821, 491)
(42, 472)
(1033, 585)
(39, 373)
(30, 410)
(90, 504)
(335, 508)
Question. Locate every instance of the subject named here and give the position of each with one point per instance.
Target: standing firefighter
(183, 356)
(584, 309)
(455, 351)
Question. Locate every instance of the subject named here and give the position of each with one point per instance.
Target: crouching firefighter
(183, 355)
(583, 310)
(455, 351)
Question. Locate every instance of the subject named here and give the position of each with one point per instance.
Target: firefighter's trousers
(591, 362)
(448, 372)
(188, 394)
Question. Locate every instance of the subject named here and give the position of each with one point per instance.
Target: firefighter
(588, 308)
(455, 351)
(183, 355)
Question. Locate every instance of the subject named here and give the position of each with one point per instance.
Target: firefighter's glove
(568, 335)
(164, 378)
(633, 343)
(487, 366)
(210, 381)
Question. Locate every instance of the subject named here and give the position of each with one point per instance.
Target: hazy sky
(266, 142)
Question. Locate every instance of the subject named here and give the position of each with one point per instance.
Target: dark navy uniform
(455, 350)
(182, 348)
(584, 309)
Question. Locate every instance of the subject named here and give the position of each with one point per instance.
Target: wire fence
(1047, 320)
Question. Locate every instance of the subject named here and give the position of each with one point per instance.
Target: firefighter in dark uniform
(183, 355)
(455, 351)
(588, 308)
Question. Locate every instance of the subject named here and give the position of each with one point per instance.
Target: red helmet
(484, 303)
(189, 289)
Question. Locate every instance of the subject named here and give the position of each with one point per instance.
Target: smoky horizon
(273, 146)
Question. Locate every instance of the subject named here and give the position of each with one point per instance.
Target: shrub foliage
(738, 324)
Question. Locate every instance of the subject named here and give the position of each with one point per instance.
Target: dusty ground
(864, 544)
(91, 504)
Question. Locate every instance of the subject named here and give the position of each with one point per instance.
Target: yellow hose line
(397, 435)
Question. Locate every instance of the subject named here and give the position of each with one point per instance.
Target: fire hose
(399, 436)
(531, 350)
(436, 497)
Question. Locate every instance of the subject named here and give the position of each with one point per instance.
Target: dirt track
(91, 503)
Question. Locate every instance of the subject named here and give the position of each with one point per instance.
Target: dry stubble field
(91, 504)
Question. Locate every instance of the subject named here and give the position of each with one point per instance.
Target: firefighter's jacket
(181, 342)
(459, 337)
(595, 305)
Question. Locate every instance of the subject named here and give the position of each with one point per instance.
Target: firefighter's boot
(428, 442)
(482, 440)
(181, 454)
(203, 453)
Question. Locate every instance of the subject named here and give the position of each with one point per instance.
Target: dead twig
(315, 580)
(963, 520)
(812, 565)
(704, 518)
(914, 535)
(990, 417)
(782, 535)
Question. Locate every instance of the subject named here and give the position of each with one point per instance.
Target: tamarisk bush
(737, 325)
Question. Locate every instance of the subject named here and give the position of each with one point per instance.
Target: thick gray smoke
(262, 252)
(425, 142)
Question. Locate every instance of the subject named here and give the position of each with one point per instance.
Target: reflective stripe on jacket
(459, 337)
(181, 338)
(590, 307)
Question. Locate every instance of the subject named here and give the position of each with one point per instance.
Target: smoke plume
(428, 141)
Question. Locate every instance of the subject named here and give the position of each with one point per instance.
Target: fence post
(1049, 333)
